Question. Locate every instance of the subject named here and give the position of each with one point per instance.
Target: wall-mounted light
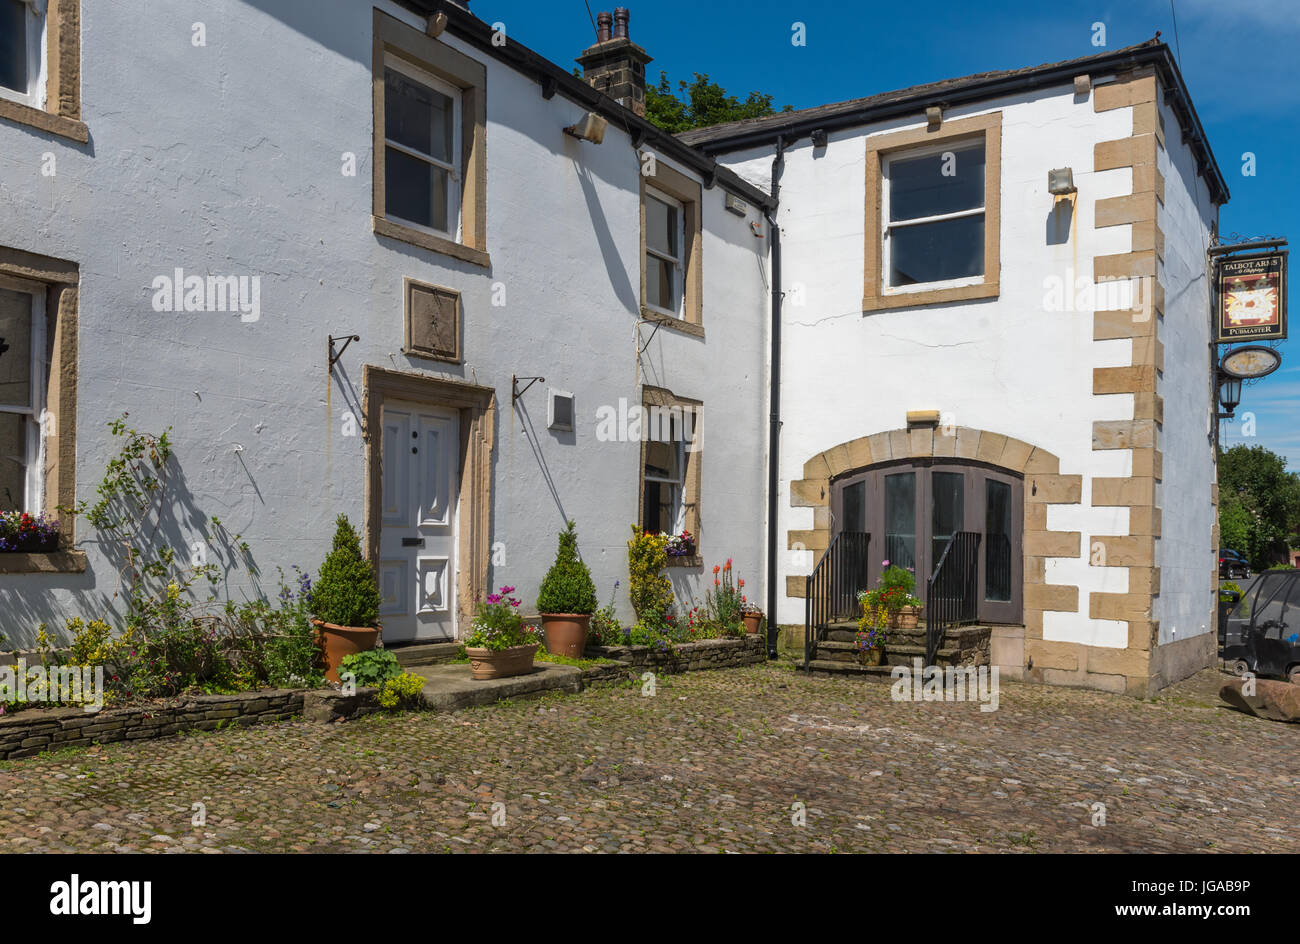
(1229, 393)
(1060, 181)
(590, 128)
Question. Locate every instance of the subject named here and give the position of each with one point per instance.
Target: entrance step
(961, 645)
(429, 653)
(450, 688)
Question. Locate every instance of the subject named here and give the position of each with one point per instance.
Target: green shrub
(605, 628)
(647, 556)
(403, 689)
(567, 587)
(346, 593)
(371, 668)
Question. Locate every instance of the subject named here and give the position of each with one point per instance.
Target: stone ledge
(50, 562)
(689, 656)
(40, 729)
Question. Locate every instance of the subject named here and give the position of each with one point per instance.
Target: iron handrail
(831, 590)
(952, 590)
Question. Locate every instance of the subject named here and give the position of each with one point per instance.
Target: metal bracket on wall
(515, 392)
(346, 339)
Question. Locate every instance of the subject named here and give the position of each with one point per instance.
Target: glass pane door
(900, 519)
(948, 492)
(997, 541)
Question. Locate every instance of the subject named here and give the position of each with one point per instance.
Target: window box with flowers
(23, 533)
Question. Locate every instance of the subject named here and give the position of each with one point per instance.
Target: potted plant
(871, 650)
(751, 613)
(895, 597)
(345, 601)
(567, 599)
(870, 638)
(500, 644)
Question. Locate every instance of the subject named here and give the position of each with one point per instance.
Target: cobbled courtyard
(713, 762)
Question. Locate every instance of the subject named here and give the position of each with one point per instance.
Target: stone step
(832, 651)
(826, 667)
(431, 653)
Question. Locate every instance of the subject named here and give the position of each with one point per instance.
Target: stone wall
(34, 730)
(689, 656)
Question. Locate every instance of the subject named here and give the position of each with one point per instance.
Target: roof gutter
(1158, 55)
(552, 79)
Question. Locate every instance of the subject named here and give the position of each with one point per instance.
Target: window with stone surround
(40, 66)
(933, 214)
(670, 466)
(430, 132)
(672, 274)
(38, 394)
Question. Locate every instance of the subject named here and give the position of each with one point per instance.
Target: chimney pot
(614, 64)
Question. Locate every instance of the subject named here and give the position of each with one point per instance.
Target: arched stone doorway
(939, 448)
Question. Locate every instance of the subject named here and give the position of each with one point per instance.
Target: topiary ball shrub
(567, 587)
(346, 593)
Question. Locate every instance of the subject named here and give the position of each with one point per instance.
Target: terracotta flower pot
(336, 642)
(500, 663)
(752, 621)
(566, 633)
(908, 617)
(873, 656)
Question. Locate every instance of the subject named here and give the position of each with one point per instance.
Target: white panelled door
(417, 536)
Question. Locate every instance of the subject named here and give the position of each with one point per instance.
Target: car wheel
(1240, 668)
(1293, 676)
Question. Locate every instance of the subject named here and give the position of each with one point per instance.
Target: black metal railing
(831, 592)
(952, 592)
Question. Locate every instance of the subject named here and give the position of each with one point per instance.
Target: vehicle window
(1269, 607)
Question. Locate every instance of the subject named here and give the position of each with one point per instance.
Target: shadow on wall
(530, 433)
(173, 526)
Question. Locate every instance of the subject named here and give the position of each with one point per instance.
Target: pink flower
(884, 563)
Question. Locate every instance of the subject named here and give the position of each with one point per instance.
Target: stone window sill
(668, 321)
(408, 234)
(44, 120)
(53, 562)
(690, 560)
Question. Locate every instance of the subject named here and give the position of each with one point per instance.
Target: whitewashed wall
(227, 159)
(1185, 554)
(1008, 364)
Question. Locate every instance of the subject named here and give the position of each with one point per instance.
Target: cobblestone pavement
(715, 761)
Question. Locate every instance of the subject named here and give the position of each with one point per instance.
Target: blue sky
(1237, 56)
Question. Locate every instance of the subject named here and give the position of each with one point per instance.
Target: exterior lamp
(1061, 181)
(1229, 392)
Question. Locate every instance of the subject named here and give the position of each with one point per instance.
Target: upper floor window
(22, 63)
(430, 142)
(421, 149)
(934, 216)
(672, 244)
(665, 266)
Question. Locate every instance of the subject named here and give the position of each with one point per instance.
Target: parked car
(1259, 631)
(1233, 565)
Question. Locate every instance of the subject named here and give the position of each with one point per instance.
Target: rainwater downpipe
(774, 399)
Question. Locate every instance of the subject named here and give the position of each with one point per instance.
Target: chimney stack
(615, 65)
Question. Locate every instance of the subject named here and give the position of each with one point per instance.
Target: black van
(1259, 632)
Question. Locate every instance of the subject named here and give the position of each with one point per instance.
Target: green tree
(1259, 504)
(699, 104)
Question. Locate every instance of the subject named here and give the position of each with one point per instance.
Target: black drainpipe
(774, 417)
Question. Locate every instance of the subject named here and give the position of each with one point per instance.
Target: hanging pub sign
(1252, 298)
